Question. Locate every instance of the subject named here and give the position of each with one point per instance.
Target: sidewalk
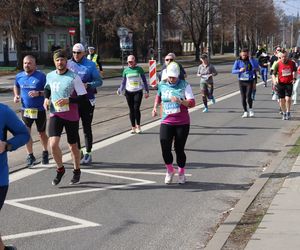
(280, 227)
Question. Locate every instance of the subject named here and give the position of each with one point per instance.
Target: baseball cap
(173, 70)
(78, 47)
(91, 47)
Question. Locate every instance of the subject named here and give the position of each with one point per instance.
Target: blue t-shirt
(88, 73)
(26, 83)
(9, 121)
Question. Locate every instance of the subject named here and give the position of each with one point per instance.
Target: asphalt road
(122, 202)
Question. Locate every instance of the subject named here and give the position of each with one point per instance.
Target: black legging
(134, 100)
(86, 113)
(246, 88)
(179, 133)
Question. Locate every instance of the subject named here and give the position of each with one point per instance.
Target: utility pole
(292, 32)
(235, 34)
(82, 22)
(208, 30)
(159, 33)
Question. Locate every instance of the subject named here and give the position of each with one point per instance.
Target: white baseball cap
(78, 47)
(173, 70)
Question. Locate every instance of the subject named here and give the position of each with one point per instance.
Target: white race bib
(171, 108)
(286, 72)
(63, 108)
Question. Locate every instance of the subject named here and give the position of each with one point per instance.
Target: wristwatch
(8, 147)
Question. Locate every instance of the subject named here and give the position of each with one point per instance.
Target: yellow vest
(94, 59)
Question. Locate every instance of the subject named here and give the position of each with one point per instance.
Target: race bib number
(63, 108)
(134, 81)
(245, 77)
(286, 72)
(171, 108)
(31, 113)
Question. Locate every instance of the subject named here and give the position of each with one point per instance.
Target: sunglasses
(75, 52)
(130, 61)
(167, 60)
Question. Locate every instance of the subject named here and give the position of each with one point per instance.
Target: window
(63, 40)
(51, 42)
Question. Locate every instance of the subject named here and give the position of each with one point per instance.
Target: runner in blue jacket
(9, 122)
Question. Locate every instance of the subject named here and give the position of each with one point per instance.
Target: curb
(224, 230)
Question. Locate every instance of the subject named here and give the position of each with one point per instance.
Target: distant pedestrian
(206, 71)
(245, 68)
(284, 76)
(263, 61)
(168, 59)
(20, 136)
(93, 56)
(296, 86)
(29, 90)
(64, 91)
(175, 96)
(133, 83)
(91, 78)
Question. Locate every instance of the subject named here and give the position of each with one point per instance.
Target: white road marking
(136, 172)
(82, 223)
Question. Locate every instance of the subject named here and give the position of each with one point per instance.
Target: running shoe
(169, 177)
(138, 130)
(59, 174)
(45, 158)
(265, 85)
(295, 102)
(76, 177)
(205, 110)
(86, 159)
(288, 116)
(10, 248)
(274, 97)
(284, 117)
(245, 114)
(213, 100)
(30, 160)
(133, 131)
(251, 113)
(181, 179)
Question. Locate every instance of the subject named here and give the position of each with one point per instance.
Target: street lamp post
(82, 21)
(159, 49)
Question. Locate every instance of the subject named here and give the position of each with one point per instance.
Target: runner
(245, 67)
(29, 90)
(206, 71)
(273, 59)
(263, 61)
(87, 71)
(66, 91)
(170, 57)
(284, 76)
(296, 85)
(9, 121)
(176, 97)
(134, 81)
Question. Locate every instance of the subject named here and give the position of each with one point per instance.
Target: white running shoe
(169, 177)
(274, 97)
(181, 179)
(138, 130)
(245, 114)
(251, 113)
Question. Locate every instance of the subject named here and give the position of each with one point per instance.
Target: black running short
(284, 89)
(3, 192)
(57, 124)
(40, 122)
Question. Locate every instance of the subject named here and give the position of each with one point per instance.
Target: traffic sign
(72, 31)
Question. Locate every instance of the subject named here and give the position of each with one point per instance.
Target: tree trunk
(197, 52)
(19, 56)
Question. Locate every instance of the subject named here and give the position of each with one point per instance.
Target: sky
(290, 7)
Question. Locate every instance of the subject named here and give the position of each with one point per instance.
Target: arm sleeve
(213, 70)
(79, 86)
(99, 63)
(19, 131)
(97, 80)
(123, 84)
(47, 91)
(235, 68)
(145, 83)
